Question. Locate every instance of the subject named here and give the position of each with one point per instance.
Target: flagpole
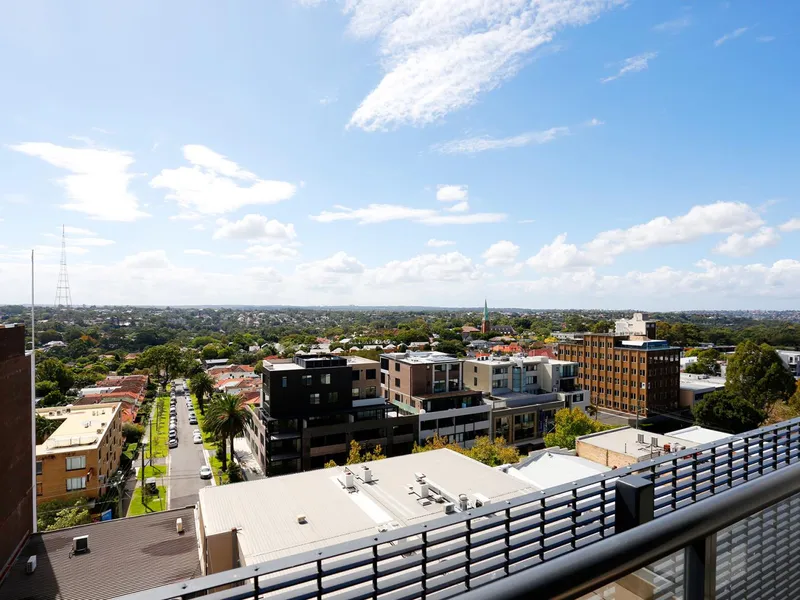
(33, 394)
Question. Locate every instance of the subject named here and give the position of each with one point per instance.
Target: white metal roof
(551, 469)
(699, 435)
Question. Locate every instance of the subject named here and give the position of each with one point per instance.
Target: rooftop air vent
(80, 544)
(449, 508)
(366, 474)
(301, 519)
(463, 502)
(30, 565)
(179, 525)
(640, 438)
(419, 476)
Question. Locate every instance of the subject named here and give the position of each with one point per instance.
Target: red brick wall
(16, 512)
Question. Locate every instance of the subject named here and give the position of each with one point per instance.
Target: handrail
(586, 569)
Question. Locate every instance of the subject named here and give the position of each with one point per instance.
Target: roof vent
(179, 525)
(301, 519)
(463, 502)
(640, 438)
(349, 479)
(449, 508)
(30, 566)
(80, 544)
(419, 476)
(367, 474)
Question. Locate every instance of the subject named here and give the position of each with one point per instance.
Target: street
(185, 461)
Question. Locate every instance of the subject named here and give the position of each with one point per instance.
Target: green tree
(227, 418)
(591, 410)
(54, 398)
(571, 423)
(451, 347)
(52, 369)
(59, 514)
(210, 352)
(45, 427)
(794, 401)
(45, 387)
(706, 363)
(727, 411)
(164, 359)
(202, 386)
(757, 374)
(490, 452)
(358, 455)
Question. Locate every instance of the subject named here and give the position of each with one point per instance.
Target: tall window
(333, 397)
(76, 483)
(356, 374)
(325, 378)
(371, 374)
(314, 398)
(284, 381)
(306, 380)
(356, 392)
(38, 467)
(371, 391)
(76, 462)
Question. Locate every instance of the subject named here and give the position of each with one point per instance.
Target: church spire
(485, 325)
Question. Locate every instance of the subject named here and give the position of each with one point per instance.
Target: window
(314, 398)
(38, 467)
(325, 379)
(356, 393)
(616, 357)
(76, 462)
(474, 369)
(396, 366)
(644, 385)
(306, 379)
(284, 381)
(371, 391)
(333, 397)
(530, 380)
(396, 382)
(474, 381)
(397, 397)
(371, 374)
(76, 483)
(356, 374)
(39, 491)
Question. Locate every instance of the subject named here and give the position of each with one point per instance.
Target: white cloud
(235, 256)
(701, 220)
(215, 185)
(730, 36)
(254, 227)
(459, 207)
(268, 274)
(325, 101)
(526, 221)
(198, 252)
(451, 193)
(272, 252)
(738, 244)
(673, 26)
(337, 272)
(634, 64)
(452, 266)
(765, 39)
(383, 213)
(148, 259)
(98, 180)
(434, 243)
(103, 131)
(791, 225)
(77, 230)
(441, 56)
(501, 253)
(594, 122)
(484, 143)
(198, 227)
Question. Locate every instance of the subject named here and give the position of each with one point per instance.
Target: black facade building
(314, 406)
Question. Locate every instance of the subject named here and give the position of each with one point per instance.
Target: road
(185, 462)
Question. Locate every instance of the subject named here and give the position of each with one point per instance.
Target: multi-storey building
(630, 374)
(80, 456)
(791, 358)
(637, 325)
(313, 407)
(430, 386)
(16, 468)
(524, 393)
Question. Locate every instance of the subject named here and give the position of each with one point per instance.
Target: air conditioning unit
(449, 508)
(179, 525)
(30, 566)
(80, 544)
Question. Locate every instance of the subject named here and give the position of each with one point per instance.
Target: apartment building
(16, 468)
(430, 386)
(636, 326)
(80, 456)
(626, 373)
(314, 406)
(524, 393)
(791, 358)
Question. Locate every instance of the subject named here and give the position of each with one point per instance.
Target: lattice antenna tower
(63, 295)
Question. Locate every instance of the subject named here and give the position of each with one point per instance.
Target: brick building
(625, 373)
(16, 468)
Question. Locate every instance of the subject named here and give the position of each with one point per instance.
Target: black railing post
(700, 569)
(634, 503)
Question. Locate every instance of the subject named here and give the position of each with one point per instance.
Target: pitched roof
(125, 556)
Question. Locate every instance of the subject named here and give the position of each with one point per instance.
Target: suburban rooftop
(421, 358)
(336, 513)
(83, 426)
(625, 440)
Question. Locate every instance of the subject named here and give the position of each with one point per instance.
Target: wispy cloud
(594, 123)
(483, 143)
(384, 213)
(673, 26)
(434, 243)
(327, 100)
(730, 36)
(634, 64)
(197, 252)
(765, 39)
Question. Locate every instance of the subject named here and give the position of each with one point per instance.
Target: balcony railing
(566, 541)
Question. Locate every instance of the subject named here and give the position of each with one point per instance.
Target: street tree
(757, 374)
(727, 411)
(227, 418)
(202, 386)
(571, 423)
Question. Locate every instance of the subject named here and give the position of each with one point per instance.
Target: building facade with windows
(79, 458)
(626, 373)
(429, 385)
(314, 406)
(524, 393)
(16, 501)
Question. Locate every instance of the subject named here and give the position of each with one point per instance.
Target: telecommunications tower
(63, 295)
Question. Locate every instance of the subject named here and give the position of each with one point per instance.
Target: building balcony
(405, 438)
(719, 520)
(330, 449)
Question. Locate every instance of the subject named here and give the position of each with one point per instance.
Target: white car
(197, 438)
(205, 472)
(197, 432)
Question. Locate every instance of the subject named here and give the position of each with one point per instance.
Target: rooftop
(626, 440)
(701, 382)
(83, 426)
(699, 435)
(125, 556)
(553, 467)
(421, 358)
(336, 514)
(360, 360)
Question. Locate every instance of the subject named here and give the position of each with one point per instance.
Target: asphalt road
(185, 462)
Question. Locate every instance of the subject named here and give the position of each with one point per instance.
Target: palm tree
(591, 410)
(201, 386)
(227, 418)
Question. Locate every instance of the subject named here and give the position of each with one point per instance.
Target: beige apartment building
(79, 458)
(365, 377)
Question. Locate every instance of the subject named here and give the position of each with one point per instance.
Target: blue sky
(574, 154)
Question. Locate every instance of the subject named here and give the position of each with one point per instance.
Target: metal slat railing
(523, 532)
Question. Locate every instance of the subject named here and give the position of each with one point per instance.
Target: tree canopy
(490, 452)
(571, 423)
(727, 411)
(757, 374)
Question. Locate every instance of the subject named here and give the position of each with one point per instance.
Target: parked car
(173, 442)
(197, 432)
(197, 438)
(205, 472)
(173, 434)
(192, 420)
